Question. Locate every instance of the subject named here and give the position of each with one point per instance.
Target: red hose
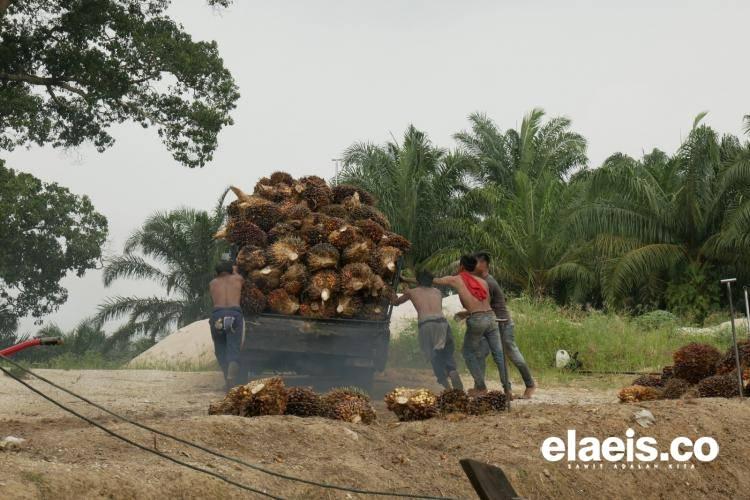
(30, 343)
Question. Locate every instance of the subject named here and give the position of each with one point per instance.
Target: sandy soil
(65, 458)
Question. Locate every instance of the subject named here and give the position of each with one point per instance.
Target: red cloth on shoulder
(474, 286)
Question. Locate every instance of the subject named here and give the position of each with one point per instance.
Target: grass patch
(605, 342)
(176, 366)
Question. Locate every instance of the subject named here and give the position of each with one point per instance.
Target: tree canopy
(69, 70)
(46, 232)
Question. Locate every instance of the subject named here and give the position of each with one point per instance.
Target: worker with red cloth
(481, 322)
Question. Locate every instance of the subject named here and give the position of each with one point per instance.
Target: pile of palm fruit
(698, 370)
(422, 404)
(270, 397)
(309, 249)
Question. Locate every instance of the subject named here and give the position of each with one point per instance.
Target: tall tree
(521, 203)
(69, 70)
(46, 232)
(176, 250)
(675, 223)
(418, 186)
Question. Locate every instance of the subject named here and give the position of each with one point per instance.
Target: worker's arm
(405, 297)
(445, 281)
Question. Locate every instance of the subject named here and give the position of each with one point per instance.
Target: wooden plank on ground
(488, 481)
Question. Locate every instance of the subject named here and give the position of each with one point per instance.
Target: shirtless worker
(226, 321)
(481, 322)
(435, 335)
(507, 335)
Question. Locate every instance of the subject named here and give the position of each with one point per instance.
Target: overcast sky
(316, 76)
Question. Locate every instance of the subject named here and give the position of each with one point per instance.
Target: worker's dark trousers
(226, 332)
(443, 362)
(507, 334)
(482, 326)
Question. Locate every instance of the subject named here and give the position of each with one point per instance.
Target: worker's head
(224, 267)
(424, 278)
(468, 263)
(483, 261)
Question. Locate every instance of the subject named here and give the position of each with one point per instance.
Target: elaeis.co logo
(630, 453)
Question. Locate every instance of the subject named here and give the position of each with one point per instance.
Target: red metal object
(30, 343)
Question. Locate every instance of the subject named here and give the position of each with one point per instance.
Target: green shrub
(656, 319)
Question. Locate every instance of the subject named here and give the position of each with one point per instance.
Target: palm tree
(673, 225)
(417, 186)
(521, 203)
(176, 250)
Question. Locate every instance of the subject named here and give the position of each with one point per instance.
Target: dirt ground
(65, 458)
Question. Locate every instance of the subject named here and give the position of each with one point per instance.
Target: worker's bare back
(470, 303)
(428, 301)
(226, 290)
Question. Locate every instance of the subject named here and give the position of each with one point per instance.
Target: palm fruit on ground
(384, 261)
(719, 386)
(318, 309)
(281, 178)
(335, 210)
(453, 401)
(355, 278)
(252, 300)
(674, 388)
(373, 312)
(267, 279)
(343, 191)
(694, 362)
(349, 306)
(324, 285)
(242, 232)
(224, 407)
(371, 230)
(667, 373)
(293, 210)
(488, 402)
(349, 404)
(648, 381)
(359, 251)
(294, 279)
(728, 363)
(395, 240)
(281, 302)
(262, 212)
(322, 256)
(303, 402)
(287, 251)
(263, 397)
(282, 230)
(251, 258)
(412, 404)
(636, 393)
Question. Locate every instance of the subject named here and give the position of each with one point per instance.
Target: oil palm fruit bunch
(355, 278)
(649, 381)
(674, 388)
(252, 300)
(294, 279)
(453, 401)
(263, 397)
(324, 285)
(224, 407)
(349, 404)
(303, 402)
(694, 362)
(719, 386)
(728, 364)
(667, 373)
(281, 302)
(488, 402)
(637, 393)
(287, 251)
(251, 258)
(412, 404)
(302, 242)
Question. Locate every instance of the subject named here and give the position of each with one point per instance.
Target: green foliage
(46, 232)
(418, 187)
(69, 70)
(653, 320)
(176, 250)
(693, 295)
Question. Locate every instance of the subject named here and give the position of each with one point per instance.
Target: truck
(331, 351)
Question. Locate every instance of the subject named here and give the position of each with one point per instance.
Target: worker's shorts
(226, 332)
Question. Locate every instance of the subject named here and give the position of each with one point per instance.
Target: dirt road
(65, 458)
